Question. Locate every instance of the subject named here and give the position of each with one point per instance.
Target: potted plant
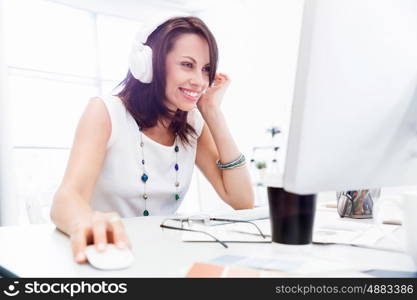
(261, 166)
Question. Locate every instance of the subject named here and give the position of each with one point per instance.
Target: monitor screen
(354, 118)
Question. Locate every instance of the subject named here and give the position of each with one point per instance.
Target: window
(45, 36)
(114, 42)
(58, 57)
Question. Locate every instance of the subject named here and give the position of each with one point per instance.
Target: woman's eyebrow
(194, 61)
(189, 57)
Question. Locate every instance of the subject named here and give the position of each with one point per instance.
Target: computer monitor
(354, 118)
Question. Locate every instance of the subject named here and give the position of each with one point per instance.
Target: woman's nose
(198, 80)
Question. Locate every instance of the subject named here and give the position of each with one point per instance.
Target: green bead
(146, 213)
(176, 149)
(177, 197)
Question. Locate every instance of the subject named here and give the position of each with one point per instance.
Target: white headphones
(140, 57)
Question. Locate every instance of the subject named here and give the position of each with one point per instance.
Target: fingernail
(121, 244)
(101, 247)
(80, 257)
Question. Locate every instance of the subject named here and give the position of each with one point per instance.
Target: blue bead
(176, 167)
(144, 177)
(143, 161)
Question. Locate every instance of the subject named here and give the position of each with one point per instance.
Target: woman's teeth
(192, 94)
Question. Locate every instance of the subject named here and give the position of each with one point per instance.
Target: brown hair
(145, 102)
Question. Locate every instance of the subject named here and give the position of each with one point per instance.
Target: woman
(134, 153)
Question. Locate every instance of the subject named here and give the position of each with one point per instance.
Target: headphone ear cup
(140, 62)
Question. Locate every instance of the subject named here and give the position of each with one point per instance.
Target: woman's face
(187, 72)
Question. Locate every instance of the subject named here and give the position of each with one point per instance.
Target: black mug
(292, 216)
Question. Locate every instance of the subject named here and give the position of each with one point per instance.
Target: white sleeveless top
(119, 186)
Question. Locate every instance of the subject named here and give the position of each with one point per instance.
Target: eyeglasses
(206, 220)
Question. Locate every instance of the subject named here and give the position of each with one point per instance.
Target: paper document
(257, 213)
(291, 265)
(204, 270)
(329, 229)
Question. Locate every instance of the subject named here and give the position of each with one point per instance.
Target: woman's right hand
(100, 229)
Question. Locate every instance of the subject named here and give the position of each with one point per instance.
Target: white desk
(42, 251)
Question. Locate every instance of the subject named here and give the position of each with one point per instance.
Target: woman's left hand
(212, 98)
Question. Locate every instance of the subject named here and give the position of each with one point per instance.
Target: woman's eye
(187, 64)
(206, 69)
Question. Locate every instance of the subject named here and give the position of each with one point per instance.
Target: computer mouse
(112, 258)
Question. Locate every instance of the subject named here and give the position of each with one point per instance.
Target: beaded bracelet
(239, 162)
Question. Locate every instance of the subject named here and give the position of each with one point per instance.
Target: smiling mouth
(190, 94)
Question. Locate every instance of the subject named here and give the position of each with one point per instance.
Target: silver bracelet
(239, 162)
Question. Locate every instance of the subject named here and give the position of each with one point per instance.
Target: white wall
(8, 208)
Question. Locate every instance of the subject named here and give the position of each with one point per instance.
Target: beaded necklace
(145, 175)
